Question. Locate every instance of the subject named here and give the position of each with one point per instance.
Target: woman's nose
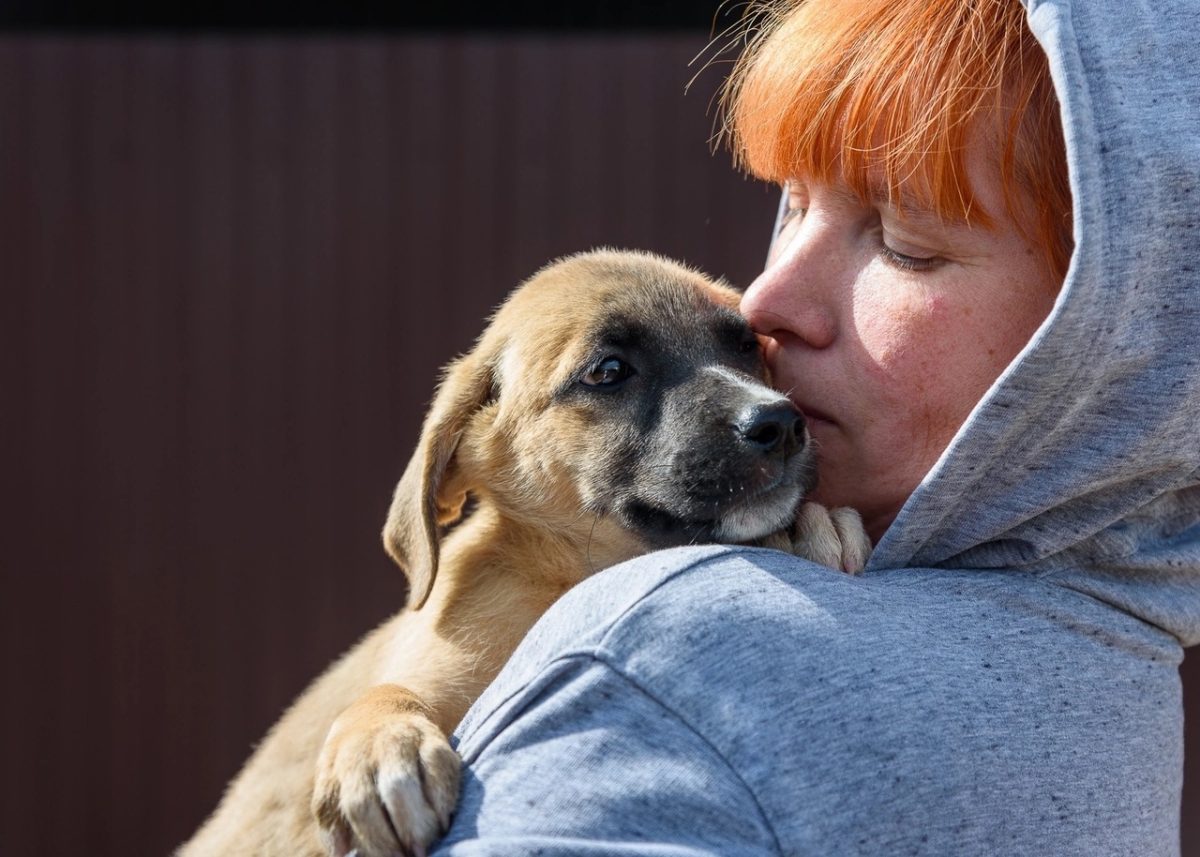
(789, 301)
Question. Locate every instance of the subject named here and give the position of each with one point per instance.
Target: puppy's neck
(492, 548)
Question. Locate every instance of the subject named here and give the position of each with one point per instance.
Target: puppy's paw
(387, 778)
(832, 537)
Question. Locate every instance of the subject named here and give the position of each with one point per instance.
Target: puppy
(615, 405)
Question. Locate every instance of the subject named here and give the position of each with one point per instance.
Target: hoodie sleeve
(566, 770)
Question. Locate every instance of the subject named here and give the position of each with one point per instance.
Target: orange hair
(855, 90)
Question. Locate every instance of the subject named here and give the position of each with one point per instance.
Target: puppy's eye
(607, 373)
(749, 344)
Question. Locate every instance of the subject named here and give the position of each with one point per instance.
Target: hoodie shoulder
(798, 686)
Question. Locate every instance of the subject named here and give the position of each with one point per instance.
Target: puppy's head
(616, 399)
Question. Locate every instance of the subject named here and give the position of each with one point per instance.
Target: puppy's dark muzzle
(767, 428)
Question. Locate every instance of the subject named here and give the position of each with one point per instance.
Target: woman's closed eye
(906, 262)
(904, 253)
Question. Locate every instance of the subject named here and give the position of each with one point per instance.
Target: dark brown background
(231, 268)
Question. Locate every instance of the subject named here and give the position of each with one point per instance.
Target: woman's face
(887, 329)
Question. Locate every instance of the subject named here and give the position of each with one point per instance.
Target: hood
(1083, 460)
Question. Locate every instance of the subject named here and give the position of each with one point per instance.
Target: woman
(1019, 435)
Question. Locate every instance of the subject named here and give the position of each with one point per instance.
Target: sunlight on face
(886, 330)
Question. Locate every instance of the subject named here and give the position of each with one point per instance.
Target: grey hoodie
(1003, 678)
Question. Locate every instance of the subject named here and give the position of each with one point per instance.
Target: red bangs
(884, 96)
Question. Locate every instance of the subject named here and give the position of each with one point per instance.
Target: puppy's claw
(387, 778)
(835, 538)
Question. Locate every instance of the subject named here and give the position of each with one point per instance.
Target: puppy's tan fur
(365, 745)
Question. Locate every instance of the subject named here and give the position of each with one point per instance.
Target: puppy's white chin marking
(755, 521)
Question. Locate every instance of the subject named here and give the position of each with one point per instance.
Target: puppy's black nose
(768, 427)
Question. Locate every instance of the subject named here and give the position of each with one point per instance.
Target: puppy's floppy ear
(428, 496)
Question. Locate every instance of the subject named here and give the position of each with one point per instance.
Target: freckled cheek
(902, 343)
(924, 363)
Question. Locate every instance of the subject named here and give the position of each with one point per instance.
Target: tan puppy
(615, 405)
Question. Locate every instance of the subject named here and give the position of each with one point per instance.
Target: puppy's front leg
(387, 778)
(832, 537)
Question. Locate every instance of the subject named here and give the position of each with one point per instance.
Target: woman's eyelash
(908, 263)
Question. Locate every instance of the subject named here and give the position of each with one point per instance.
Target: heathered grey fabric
(1003, 678)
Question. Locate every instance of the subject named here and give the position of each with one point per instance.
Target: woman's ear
(428, 496)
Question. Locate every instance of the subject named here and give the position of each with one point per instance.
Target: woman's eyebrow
(919, 214)
(879, 194)
(915, 211)
(924, 216)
